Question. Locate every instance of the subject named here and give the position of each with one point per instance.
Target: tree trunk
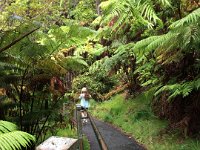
(2, 115)
(98, 8)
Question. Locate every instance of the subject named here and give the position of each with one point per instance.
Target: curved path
(114, 139)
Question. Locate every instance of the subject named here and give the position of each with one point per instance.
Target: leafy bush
(86, 81)
(97, 84)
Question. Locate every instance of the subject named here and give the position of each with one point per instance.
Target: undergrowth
(135, 117)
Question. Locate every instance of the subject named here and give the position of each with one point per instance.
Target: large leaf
(6, 126)
(15, 140)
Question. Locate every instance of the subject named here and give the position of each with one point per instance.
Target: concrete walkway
(114, 139)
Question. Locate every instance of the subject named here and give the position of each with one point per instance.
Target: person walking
(84, 97)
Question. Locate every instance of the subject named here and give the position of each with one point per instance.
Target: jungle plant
(176, 58)
(183, 40)
(27, 69)
(12, 138)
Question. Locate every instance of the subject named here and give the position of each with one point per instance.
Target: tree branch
(17, 40)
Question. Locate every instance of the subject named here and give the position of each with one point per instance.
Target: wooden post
(79, 126)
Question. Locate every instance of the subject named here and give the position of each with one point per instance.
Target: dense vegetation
(50, 49)
(136, 118)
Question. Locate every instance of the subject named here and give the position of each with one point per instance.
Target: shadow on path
(114, 139)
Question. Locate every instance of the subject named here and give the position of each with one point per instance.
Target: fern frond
(197, 83)
(116, 10)
(167, 88)
(106, 4)
(141, 45)
(15, 140)
(190, 35)
(187, 88)
(10, 138)
(51, 66)
(147, 11)
(120, 21)
(161, 40)
(97, 65)
(165, 3)
(6, 126)
(184, 88)
(193, 17)
(129, 9)
(75, 63)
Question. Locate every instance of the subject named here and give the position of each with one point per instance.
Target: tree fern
(148, 12)
(10, 138)
(73, 63)
(128, 10)
(145, 42)
(166, 3)
(184, 88)
(145, 71)
(197, 83)
(160, 41)
(97, 65)
(6, 126)
(164, 45)
(193, 17)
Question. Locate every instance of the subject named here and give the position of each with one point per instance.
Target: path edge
(122, 132)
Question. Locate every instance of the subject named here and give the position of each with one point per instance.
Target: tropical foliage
(11, 138)
(101, 44)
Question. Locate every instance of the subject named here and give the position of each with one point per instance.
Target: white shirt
(84, 102)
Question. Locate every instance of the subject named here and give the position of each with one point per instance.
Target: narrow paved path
(114, 139)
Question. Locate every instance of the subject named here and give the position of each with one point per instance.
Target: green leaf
(193, 17)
